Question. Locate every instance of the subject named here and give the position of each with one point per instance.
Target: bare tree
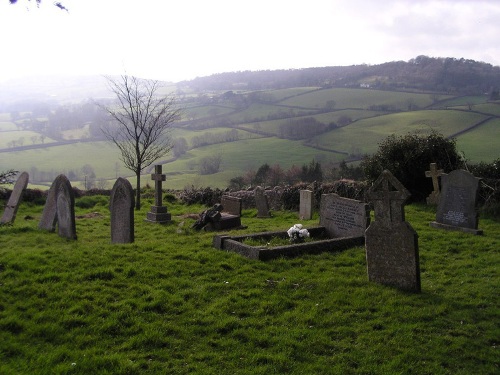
(142, 119)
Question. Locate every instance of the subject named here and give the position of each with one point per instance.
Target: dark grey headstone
(457, 206)
(121, 206)
(306, 204)
(65, 203)
(158, 214)
(261, 202)
(391, 243)
(59, 209)
(343, 217)
(9, 215)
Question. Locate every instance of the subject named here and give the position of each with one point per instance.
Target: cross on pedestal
(434, 173)
(158, 178)
(158, 213)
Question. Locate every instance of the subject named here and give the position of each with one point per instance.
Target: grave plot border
(235, 244)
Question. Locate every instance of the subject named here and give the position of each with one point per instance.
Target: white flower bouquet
(297, 233)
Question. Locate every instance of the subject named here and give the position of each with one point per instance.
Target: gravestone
(9, 215)
(434, 173)
(261, 202)
(391, 243)
(306, 205)
(343, 217)
(59, 209)
(457, 206)
(159, 213)
(121, 206)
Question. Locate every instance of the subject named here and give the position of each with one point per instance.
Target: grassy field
(362, 136)
(172, 304)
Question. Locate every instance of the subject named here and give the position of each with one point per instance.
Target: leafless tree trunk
(142, 120)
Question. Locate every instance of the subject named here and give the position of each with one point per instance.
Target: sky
(176, 40)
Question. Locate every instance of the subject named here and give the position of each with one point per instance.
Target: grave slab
(121, 207)
(9, 214)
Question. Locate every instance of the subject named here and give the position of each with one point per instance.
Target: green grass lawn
(172, 304)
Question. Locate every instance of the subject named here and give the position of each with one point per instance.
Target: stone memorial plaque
(121, 206)
(457, 206)
(9, 215)
(306, 204)
(343, 217)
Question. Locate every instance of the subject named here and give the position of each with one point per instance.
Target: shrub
(91, 201)
(408, 157)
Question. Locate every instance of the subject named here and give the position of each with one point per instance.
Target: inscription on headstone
(434, 173)
(158, 214)
(343, 217)
(261, 202)
(121, 206)
(457, 206)
(306, 204)
(9, 215)
(391, 243)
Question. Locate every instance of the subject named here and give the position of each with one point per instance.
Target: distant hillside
(445, 75)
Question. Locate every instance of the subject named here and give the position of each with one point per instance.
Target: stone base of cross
(158, 214)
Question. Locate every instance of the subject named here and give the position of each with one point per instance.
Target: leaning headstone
(457, 206)
(391, 243)
(121, 206)
(59, 209)
(343, 217)
(261, 202)
(9, 215)
(65, 206)
(306, 205)
(159, 213)
(48, 220)
(434, 173)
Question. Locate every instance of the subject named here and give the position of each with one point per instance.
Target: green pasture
(482, 144)
(364, 135)
(488, 108)
(359, 98)
(25, 135)
(280, 95)
(6, 126)
(206, 111)
(170, 303)
(258, 111)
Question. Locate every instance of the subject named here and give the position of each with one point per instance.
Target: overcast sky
(181, 39)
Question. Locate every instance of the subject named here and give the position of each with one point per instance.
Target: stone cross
(158, 213)
(434, 173)
(391, 243)
(158, 177)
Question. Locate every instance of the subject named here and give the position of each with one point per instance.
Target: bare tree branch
(141, 123)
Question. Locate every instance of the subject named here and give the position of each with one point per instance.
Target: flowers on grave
(297, 233)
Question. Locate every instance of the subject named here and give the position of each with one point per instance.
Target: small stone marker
(306, 205)
(121, 206)
(434, 173)
(158, 213)
(343, 217)
(261, 203)
(457, 206)
(9, 215)
(60, 209)
(391, 243)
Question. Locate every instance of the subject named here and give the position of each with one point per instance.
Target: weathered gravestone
(391, 243)
(159, 213)
(261, 202)
(434, 173)
(343, 217)
(306, 204)
(9, 215)
(457, 206)
(121, 206)
(60, 209)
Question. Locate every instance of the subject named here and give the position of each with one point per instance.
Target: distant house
(364, 85)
